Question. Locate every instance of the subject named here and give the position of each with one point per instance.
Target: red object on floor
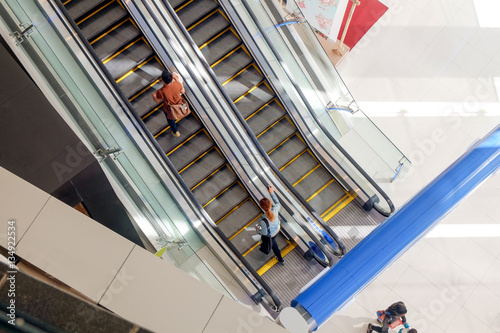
(364, 17)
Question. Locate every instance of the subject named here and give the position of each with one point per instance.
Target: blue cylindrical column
(400, 231)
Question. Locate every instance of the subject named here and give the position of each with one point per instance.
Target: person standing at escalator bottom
(271, 212)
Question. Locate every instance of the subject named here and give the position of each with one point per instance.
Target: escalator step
(327, 198)
(102, 20)
(209, 28)
(257, 259)
(186, 126)
(299, 167)
(253, 100)
(115, 40)
(287, 151)
(203, 167)
(129, 59)
(313, 182)
(176, 3)
(232, 65)
(243, 83)
(221, 46)
(191, 150)
(195, 11)
(226, 201)
(141, 78)
(276, 134)
(213, 185)
(265, 118)
(78, 8)
(144, 102)
(156, 121)
(239, 218)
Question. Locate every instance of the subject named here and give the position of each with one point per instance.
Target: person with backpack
(393, 316)
(270, 222)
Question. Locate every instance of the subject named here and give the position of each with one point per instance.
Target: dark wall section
(37, 145)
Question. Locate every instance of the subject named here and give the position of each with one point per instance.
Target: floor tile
(483, 303)
(492, 277)
(466, 322)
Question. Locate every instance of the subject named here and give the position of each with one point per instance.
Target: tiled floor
(428, 74)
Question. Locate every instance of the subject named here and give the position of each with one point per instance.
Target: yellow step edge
(305, 176)
(123, 49)
(320, 189)
(156, 108)
(134, 69)
(235, 75)
(245, 226)
(206, 17)
(250, 249)
(163, 130)
(293, 159)
(196, 159)
(215, 37)
(274, 261)
(186, 140)
(93, 13)
(221, 193)
(184, 5)
(210, 175)
(259, 109)
(112, 28)
(226, 55)
(248, 92)
(232, 210)
(144, 90)
(64, 3)
(337, 207)
(294, 133)
(277, 121)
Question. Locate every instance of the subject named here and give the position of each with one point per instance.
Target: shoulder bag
(265, 240)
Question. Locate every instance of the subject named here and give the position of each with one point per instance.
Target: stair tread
(287, 151)
(276, 134)
(243, 83)
(204, 31)
(265, 117)
(141, 78)
(213, 185)
(203, 167)
(254, 100)
(195, 11)
(231, 65)
(115, 40)
(190, 150)
(78, 8)
(128, 59)
(144, 103)
(102, 20)
(226, 201)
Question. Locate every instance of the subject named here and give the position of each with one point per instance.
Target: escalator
(136, 69)
(256, 101)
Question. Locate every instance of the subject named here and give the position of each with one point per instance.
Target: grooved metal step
(202, 168)
(216, 183)
(219, 47)
(327, 198)
(141, 78)
(276, 134)
(128, 59)
(102, 20)
(226, 201)
(78, 8)
(187, 127)
(207, 29)
(191, 149)
(299, 167)
(240, 217)
(115, 39)
(195, 10)
(245, 81)
(144, 103)
(265, 118)
(288, 150)
(228, 67)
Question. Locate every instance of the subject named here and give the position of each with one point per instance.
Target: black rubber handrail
(263, 33)
(165, 159)
(256, 142)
